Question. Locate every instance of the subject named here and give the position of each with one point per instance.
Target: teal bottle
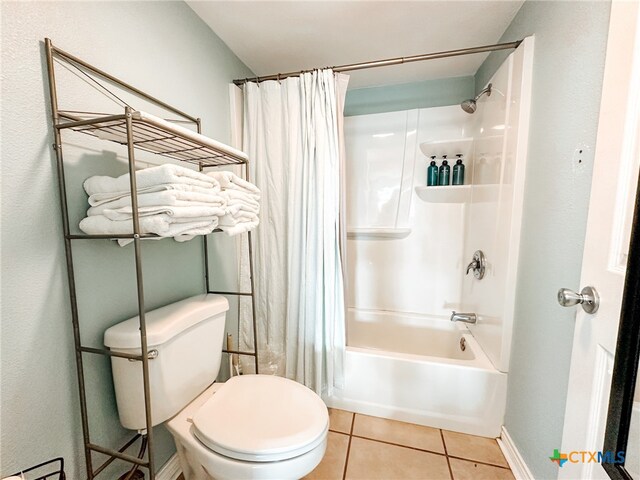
(458, 172)
(444, 173)
(432, 173)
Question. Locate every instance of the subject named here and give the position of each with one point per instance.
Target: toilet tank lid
(166, 322)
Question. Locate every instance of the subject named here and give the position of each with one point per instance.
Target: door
(604, 262)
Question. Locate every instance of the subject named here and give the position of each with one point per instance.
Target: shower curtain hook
(279, 79)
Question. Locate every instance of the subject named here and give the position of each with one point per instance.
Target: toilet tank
(185, 341)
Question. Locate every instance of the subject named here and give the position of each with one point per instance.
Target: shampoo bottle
(445, 172)
(458, 172)
(432, 173)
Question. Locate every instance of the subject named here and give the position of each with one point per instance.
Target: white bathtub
(411, 368)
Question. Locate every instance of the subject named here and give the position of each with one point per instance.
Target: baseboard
(170, 470)
(514, 459)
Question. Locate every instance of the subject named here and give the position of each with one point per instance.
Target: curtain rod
(390, 61)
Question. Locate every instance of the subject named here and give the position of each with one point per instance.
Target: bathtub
(420, 369)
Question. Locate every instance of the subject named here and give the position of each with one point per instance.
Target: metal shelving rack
(136, 132)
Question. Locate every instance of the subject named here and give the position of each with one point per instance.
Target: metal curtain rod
(391, 61)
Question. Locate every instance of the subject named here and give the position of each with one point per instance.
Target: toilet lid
(262, 418)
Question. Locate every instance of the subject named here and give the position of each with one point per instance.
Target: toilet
(250, 427)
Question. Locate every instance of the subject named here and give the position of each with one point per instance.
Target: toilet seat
(261, 418)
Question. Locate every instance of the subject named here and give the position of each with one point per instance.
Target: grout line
(480, 462)
(430, 451)
(338, 431)
(400, 445)
(444, 444)
(346, 461)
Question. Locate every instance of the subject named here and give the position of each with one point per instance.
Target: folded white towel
(162, 225)
(184, 238)
(229, 180)
(100, 198)
(242, 195)
(164, 198)
(243, 227)
(238, 222)
(238, 217)
(148, 177)
(177, 213)
(242, 206)
(190, 234)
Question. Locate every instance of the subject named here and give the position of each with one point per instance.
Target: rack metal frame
(138, 136)
(50, 470)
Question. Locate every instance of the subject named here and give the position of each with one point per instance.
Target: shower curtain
(293, 136)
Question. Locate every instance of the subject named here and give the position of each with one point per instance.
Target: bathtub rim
(480, 361)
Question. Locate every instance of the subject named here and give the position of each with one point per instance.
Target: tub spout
(463, 317)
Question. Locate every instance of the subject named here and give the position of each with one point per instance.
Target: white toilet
(251, 427)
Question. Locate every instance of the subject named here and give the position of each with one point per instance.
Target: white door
(608, 231)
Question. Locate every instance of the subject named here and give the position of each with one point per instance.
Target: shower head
(471, 105)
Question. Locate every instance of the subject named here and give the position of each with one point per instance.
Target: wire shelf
(155, 135)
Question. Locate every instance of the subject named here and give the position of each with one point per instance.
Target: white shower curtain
(293, 136)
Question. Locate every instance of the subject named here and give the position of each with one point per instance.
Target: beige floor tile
(332, 465)
(371, 460)
(474, 448)
(340, 420)
(465, 470)
(402, 433)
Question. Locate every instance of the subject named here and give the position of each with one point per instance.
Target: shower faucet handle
(472, 266)
(478, 265)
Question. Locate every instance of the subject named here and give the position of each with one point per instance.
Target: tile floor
(363, 447)
(370, 448)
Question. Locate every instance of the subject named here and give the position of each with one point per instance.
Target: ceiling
(272, 37)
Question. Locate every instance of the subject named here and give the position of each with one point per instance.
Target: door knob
(588, 298)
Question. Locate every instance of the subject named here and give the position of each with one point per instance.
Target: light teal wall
(407, 96)
(570, 43)
(165, 49)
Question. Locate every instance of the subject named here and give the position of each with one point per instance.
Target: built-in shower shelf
(451, 148)
(445, 194)
(377, 232)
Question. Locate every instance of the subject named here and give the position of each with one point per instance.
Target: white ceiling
(272, 37)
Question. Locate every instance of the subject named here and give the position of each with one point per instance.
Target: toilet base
(189, 464)
(200, 463)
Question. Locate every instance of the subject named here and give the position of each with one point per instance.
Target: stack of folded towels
(173, 201)
(242, 200)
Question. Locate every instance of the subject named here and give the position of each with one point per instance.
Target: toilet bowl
(250, 427)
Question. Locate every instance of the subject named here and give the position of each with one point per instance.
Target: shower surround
(408, 249)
